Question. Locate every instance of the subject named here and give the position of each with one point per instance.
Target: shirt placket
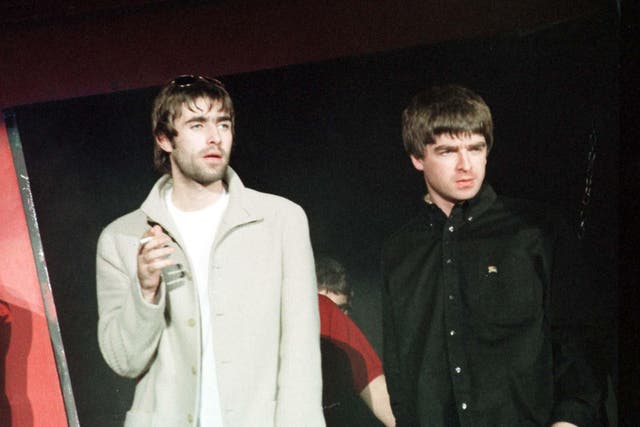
(453, 316)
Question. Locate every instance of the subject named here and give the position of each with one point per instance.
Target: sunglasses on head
(187, 80)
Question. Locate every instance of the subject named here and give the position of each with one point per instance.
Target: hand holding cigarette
(153, 255)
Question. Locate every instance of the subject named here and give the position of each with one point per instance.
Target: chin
(469, 194)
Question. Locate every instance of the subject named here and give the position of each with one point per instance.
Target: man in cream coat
(206, 294)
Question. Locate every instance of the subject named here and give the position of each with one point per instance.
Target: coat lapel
(240, 210)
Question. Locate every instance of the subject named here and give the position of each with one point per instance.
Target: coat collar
(241, 209)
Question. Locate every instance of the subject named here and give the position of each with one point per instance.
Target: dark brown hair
(167, 107)
(450, 109)
(332, 276)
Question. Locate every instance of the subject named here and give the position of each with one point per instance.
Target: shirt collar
(465, 211)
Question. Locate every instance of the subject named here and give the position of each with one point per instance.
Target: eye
(224, 126)
(195, 126)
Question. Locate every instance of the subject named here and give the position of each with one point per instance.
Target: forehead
(200, 107)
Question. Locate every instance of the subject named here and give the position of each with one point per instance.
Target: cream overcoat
(264, 315)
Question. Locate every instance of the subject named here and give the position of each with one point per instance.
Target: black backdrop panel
(327, 135)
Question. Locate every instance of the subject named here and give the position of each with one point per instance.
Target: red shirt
(338, 328)
(5, 313)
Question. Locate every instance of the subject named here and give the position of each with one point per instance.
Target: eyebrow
(479, 144)
(456, 148)
(196, 119)
(203, 119)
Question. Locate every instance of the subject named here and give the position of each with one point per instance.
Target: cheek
(483, 164)
(437, 171)
(228, 143)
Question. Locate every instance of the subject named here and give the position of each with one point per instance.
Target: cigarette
(145, 240)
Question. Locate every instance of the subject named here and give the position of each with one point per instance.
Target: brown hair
(450, 109)
(332, 276)
(167, 107)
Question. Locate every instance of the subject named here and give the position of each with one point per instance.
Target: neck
(192, 196)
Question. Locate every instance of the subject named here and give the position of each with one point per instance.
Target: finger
(157, 266)
(150, 243)
(156, 230)
(150, 256)
(152, 232)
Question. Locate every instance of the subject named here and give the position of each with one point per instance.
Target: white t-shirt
(198, 230)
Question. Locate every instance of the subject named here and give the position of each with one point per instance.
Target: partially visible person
(333, 283)
(207, 292)
(5, 339)
(349, 363)
(481, 325)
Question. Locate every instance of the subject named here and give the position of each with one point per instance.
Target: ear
(418, 163)
(164, 143)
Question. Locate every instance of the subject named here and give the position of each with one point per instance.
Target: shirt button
(452, 333)
(464, 406)
(458, 369)
(191, 322)
(189, 418)
(194, 370)
(451, 229)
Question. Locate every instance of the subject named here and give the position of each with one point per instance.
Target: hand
(153, 256)
(563, 424)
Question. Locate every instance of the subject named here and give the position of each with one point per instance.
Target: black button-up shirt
(478, 324)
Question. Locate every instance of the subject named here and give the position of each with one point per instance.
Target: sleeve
(345, 334)
(129, 328)
(579, 374)
(5, 336)
(399, 388)
(299, 399)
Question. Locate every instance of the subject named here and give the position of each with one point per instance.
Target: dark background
(327, 135)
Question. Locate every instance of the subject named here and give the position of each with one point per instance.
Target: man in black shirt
(478, 326)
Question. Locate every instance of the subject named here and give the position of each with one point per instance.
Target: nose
(214, 135)
(464, 163)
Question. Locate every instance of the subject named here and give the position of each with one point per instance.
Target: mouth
(213, 156)
(465, 182)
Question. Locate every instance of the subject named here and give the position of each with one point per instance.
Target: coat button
(194, 370)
